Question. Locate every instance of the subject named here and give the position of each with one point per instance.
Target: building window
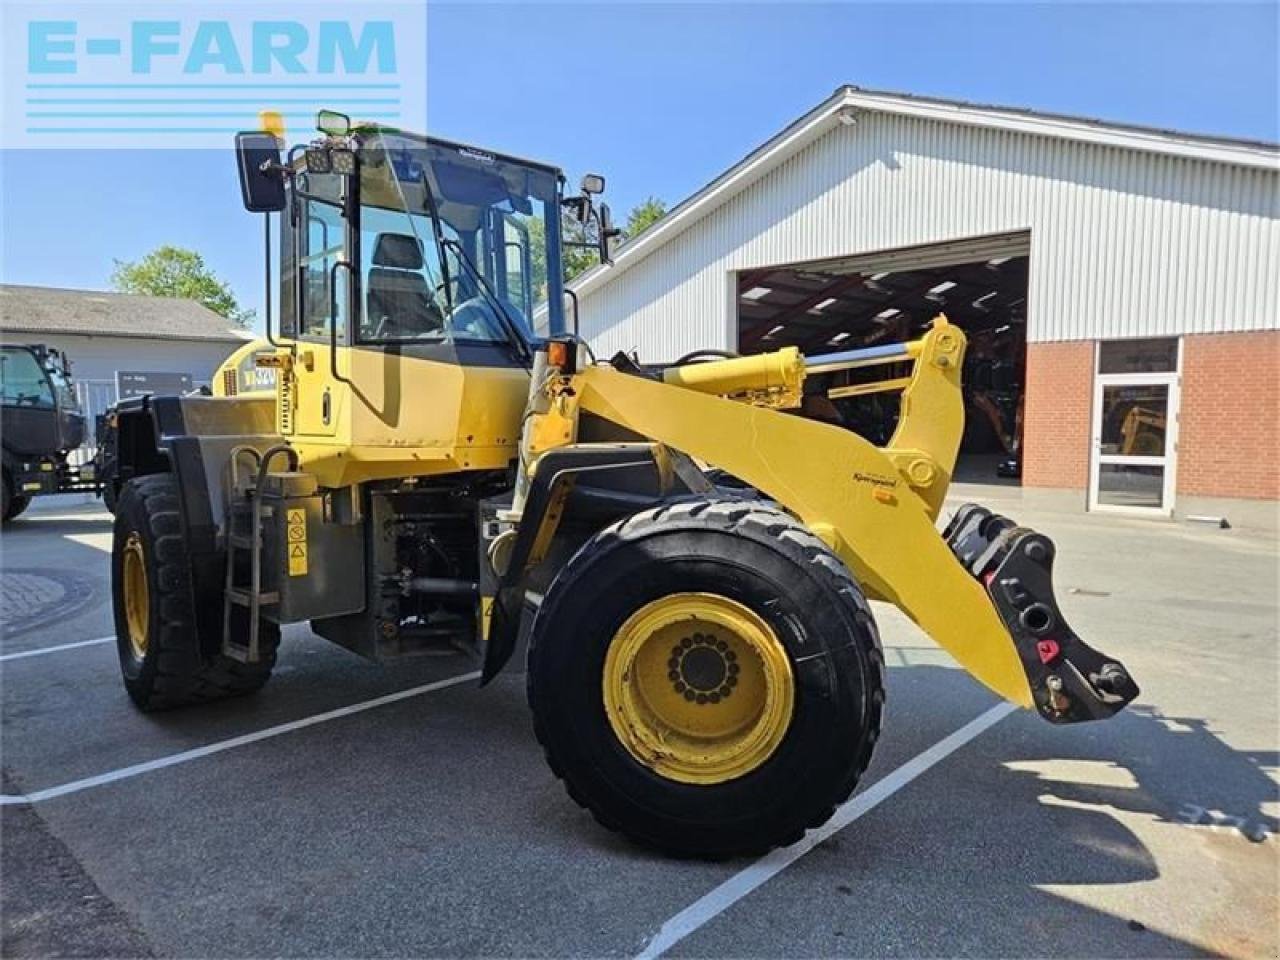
(1138, 356)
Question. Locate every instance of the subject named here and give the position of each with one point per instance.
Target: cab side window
(515, 257)
(322, 229)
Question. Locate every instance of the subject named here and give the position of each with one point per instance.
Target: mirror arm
(275, 167)
(581, 206)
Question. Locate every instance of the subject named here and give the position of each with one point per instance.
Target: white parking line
(99, 541)
(62, 646)
(710, 906)
(137, 769)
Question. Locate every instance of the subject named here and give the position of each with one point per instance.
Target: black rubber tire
(11, 504)
(753, 553)
(110, 496)
(174, 672)
(16, 506)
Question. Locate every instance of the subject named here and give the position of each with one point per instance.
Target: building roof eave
(796, 136)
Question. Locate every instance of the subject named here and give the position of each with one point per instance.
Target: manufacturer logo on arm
(875, 479)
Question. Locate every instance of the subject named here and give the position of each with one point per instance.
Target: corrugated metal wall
(1123, 243)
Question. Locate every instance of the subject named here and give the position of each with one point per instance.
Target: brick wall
(1056, 414)
(1229, 432)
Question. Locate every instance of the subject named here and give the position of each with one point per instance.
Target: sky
(661, 98)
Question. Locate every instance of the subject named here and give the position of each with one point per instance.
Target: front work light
(343, 160)
(318, 160)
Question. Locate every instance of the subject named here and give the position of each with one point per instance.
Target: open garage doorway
(869, 300)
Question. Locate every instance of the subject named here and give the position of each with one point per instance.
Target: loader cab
(415, 277)
(421, 243)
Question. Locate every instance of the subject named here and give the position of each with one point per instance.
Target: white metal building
(1167, 241)
(104, 334)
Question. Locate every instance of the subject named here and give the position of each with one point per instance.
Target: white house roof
(848, 102)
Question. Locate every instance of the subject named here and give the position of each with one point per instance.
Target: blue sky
(663, 97)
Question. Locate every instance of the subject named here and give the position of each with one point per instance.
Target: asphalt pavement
(357, 809)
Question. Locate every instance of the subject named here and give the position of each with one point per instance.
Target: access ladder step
(244, 598)
(238, 653)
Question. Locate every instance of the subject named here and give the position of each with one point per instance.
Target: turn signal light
(559, 355)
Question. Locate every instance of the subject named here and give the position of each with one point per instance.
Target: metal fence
(95, 396)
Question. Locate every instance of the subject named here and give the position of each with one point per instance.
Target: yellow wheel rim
(137, 604)
(698, 688)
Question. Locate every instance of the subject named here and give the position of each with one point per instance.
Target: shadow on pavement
(966, 860)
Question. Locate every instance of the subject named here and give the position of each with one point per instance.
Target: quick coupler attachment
(1070, 681)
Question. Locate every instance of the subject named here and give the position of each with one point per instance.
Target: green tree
(577, 260)
(643, 215)
(170, 271)
(573, 260)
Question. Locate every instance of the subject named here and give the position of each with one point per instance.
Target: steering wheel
(478, 317)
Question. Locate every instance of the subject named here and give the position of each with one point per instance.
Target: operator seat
(399, 304)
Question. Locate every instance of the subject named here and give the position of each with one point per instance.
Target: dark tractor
(42, 424)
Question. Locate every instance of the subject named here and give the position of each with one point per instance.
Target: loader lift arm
(982, 590)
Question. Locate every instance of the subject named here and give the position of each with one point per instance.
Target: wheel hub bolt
(703, 669)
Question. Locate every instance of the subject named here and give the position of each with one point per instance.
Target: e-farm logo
(107, 74)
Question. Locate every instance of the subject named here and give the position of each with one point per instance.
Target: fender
(192, 437)
(608, 479)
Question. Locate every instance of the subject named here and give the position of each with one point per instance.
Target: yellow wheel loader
(443, 464)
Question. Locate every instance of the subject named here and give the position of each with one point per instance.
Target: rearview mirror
(332, 123)
(608, 232)
(261, 172)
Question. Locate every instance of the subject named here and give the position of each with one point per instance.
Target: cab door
(323, 284)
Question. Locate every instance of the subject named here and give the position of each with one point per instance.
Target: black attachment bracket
(1070, 681)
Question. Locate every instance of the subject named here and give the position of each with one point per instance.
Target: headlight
(343, 160)
(318, 160)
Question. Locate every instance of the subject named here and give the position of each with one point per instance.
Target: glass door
(1135, 419)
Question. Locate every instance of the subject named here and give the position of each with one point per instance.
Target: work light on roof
(343, 160)
(317, 160)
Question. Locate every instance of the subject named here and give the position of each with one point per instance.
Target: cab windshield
(22, 380)
(29, 379)
(455, 243)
